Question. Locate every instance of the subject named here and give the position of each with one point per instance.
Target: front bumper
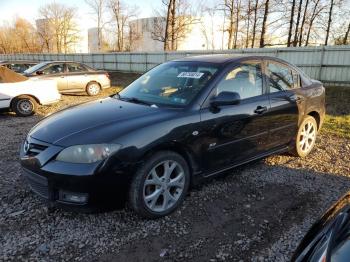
(79, 186)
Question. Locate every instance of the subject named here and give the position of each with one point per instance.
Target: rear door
(282, 83)
(57, 72)
(234, 133)
(77, 77)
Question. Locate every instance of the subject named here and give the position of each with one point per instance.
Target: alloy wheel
(307, 137)
(163, 186)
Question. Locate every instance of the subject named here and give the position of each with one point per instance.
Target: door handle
(260, 109)
(62, 76)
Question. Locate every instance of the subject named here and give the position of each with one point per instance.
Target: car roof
(18, 62)
(224, 58)
(61, 61)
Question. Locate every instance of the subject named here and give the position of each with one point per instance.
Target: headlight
(87, 153)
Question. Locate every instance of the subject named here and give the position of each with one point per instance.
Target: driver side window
(246, 80)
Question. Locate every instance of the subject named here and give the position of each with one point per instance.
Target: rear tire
(160, 185)
(24, 106)
(93, 88)
(306, 137)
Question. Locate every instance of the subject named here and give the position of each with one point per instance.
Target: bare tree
(248, 14)
(255, 21)
(122, 14)
(98, 8)
(316, 11)
(26, 35)
(229, 8)
(177, 23)
(263, 29)
(303, 22)
(295, 41)
(346, 36)
(291, 24)
(329, 21)
(19, 36)
(58, 26)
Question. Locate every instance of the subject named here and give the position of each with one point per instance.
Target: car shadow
(240, 215)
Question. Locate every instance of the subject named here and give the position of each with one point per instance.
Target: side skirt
(199, 177)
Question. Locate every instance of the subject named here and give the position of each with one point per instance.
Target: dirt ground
(257, 212)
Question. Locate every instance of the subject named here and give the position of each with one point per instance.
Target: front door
(235, 133)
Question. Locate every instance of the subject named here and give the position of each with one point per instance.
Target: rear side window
(280, 77)
(246, 80)
(76, 68)
(18, 67)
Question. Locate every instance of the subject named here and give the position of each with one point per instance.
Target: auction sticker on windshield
(196, 75)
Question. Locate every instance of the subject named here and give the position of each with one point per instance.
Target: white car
(22, 95)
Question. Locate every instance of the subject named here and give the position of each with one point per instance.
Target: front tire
(306, 137)
(24, 106)
(93, 89)
(160, 185)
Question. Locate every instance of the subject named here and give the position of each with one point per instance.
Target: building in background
(141, 31)
(204, 34)
(93, 40)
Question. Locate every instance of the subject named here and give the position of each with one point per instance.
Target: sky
(28, 9)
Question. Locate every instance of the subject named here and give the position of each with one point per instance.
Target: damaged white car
(22, 94)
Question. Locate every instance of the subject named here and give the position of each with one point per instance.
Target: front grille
(37, 183)
(33, 149)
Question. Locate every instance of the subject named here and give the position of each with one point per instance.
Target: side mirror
(225, 98)
(39, 72)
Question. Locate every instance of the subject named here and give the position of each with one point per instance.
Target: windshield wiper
(116, 95)
(134, 100)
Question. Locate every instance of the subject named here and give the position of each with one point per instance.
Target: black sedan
(180, 123)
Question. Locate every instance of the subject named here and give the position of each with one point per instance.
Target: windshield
(170, 84)
(32, 69)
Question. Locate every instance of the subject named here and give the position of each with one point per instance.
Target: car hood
(101, 121)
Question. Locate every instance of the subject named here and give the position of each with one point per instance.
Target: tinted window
(246, 80)
(18, 67)
(53, 69)
(296, 80)
(75, 68)
(174, 84)
(34, 68)
(280, 77)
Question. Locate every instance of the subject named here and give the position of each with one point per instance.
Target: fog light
(79, 198)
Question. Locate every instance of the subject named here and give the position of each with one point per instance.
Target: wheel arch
(21, 95)
(317, 117)
(182, 150)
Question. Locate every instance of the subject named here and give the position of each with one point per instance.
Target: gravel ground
(258, 212)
